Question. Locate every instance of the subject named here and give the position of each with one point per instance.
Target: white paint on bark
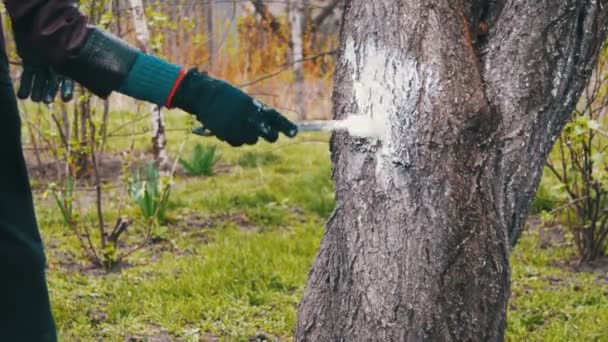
(386, 87)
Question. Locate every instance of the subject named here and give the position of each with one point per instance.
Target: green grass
(240, 285)
(551, 302)
(236, 254)
(255, 159)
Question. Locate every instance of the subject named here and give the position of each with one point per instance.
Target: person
(57, 45)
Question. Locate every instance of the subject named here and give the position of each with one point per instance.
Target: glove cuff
(153, 80)
(191, 83)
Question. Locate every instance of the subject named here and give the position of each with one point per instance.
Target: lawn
(232, 260)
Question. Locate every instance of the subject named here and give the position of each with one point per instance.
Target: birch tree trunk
(210, 23)
(418, 246)
(159, 140)
(296, 13)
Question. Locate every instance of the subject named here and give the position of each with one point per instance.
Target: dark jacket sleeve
(59, 33)
(55, 28)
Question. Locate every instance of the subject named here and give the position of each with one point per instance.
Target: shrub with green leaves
(202, 161)
(578, 172)
(105, 253)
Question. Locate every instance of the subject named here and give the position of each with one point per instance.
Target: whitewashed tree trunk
(159, 140)
(418, 246)
(296, 13)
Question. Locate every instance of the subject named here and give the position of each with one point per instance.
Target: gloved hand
(39, 81)
(228, 113)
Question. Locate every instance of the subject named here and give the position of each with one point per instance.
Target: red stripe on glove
(176, 85)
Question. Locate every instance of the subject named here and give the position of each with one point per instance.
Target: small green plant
(255, 159)
(64, 199)
(150, 192)
(106, 253)
(203, 160)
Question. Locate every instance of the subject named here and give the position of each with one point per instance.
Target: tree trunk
(210, 23)
(418, 246)
(297, 12)
(159, 140)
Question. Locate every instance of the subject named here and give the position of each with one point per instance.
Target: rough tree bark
(159, 140)
(418, 246)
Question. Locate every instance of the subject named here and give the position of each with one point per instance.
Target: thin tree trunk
(418, 246)
(210, 23)
(82, 163)
(296, 13)
(174, 34)
(104, 125)
(34, 140)
(67, 128)
(159, 140)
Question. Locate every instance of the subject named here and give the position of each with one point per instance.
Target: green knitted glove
(228, 113)
(39, 81)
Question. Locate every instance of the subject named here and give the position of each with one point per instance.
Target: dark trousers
(25, 313)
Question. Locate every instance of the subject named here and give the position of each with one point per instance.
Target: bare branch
(286, 67)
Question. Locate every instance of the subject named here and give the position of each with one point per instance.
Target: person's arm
(103, 63)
